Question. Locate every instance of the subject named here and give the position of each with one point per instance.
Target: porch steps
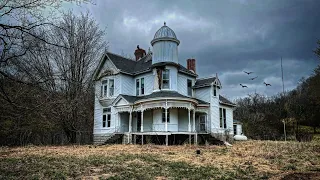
(107, 138)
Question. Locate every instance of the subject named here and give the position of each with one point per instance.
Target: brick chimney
(139, 53)
(191, 65)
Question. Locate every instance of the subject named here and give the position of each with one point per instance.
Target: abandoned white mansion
(155, 99)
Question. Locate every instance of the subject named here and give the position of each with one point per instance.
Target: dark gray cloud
(225, 37)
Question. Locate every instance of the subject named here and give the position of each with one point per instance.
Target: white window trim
(106, 114)
(144, 83)
(108, 88)
(167, 79)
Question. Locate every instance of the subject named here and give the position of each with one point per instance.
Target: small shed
(237, 127)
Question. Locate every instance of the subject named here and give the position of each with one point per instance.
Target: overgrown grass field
(244, 160)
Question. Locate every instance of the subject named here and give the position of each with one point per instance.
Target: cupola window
(166, 79)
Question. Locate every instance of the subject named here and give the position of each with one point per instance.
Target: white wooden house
(154, 95)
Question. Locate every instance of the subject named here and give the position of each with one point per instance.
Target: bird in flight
(247, 72)
(266, 84)
(244, 86)
(253, 78)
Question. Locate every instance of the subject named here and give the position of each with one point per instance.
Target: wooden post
(166, 123)
(130, 122)
(141, 121)
(189, 125)
(142, 140)
(194, 120)
(167, 139)
(195, 139)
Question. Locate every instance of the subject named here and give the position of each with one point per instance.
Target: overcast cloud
(225, 37)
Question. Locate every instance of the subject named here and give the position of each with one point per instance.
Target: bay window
(107, 88)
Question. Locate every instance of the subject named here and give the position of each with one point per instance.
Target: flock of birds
(253, 78)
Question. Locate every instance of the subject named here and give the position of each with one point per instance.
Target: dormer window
(140, 86)
(107, 88)
(166, 79)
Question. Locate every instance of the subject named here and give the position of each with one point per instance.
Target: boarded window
(164, 115)
(189, 84)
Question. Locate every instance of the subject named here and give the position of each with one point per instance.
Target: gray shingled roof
(236, 121)
(132, 99)
(204, 82)
(136, 67)
(225, 100)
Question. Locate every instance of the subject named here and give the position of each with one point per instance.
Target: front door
(202, 123)
(138, 121)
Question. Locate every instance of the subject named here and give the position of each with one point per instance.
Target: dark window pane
(189, 84)
(137, 87)
(142, 85)
(104, 121)
(224, 119)
(111, 87)
(109, 120)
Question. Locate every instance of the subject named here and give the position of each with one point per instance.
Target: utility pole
(284, 122)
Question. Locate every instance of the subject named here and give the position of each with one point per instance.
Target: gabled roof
(131, 67)
(225, 101)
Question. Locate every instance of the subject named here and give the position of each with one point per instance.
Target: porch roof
(160, 94)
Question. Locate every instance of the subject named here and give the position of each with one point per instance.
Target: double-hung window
(106, 117)
(223, 119)
(140, 86)
(164, 115)
(189, 85)
(166, 79)
(107, 88)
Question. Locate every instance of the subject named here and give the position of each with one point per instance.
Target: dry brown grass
(257, 158)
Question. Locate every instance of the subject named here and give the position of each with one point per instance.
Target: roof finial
(164, 23)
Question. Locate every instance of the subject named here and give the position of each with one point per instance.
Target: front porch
(163, 121)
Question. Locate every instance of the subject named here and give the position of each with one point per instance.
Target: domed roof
(165, 33)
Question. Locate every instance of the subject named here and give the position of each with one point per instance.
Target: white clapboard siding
(182, 83)
(203, 94)
(127, 85)
(148, 83)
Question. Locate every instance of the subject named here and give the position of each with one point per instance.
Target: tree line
(46, 64)
(264, 117)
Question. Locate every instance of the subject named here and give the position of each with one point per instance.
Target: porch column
(130, 121)
(166, 123)
(189, 125)
(142, 121)
(194, 120)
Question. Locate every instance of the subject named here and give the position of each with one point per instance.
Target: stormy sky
(225, 37)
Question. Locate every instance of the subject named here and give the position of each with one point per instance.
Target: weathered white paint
(203, 94)
(148, 83)
(173, 77)
(182, 83)
(229, 118)
(183, 120)
(127, 85)
(165, 51)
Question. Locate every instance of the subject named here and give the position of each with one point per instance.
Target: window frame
(106, 117)
(106, 88)
(166, 71)
(189, 80)
(223, 117)
(164, 115)
(140, 87)
(214, 90)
